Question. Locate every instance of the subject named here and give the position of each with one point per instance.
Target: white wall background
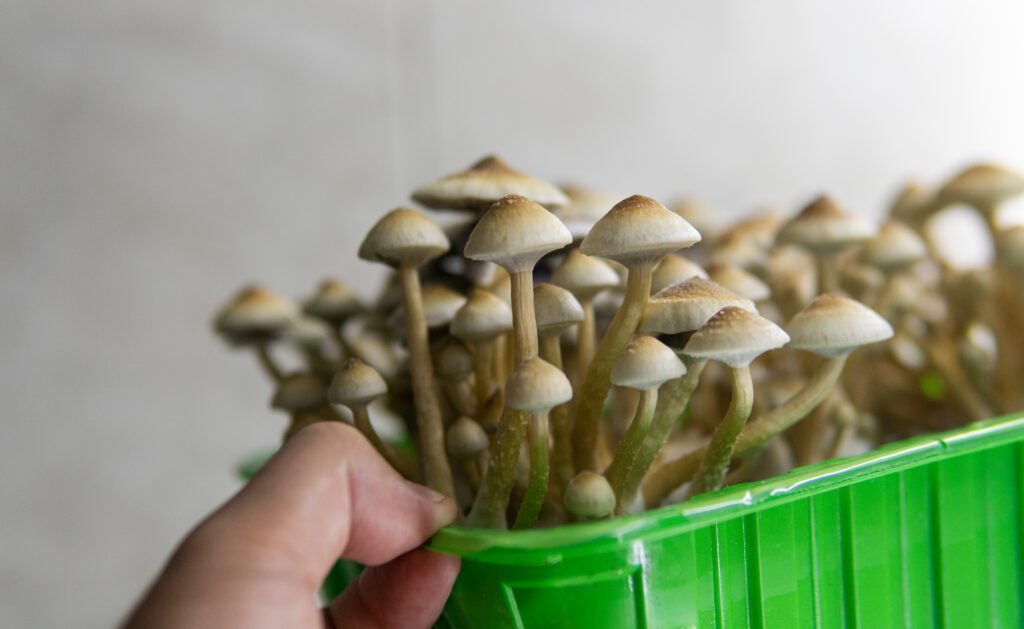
(155, 154)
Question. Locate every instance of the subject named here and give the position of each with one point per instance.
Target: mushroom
(483, 183)
(481, 321)
(333, 303)
(742, 282)
(644, 365)
(355, 386)
(586, 278)
(735, 337)
(589, 495)
(407, 240)
(831, 326)
(672, 270)
(467, 442)
(912, 205)
(455, 365)
(254, 318)
(985, 187)
(311, 337)
(638, 232)
(586, 206)
(300, 395)
(535, 387)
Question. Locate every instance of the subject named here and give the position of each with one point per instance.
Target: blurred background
(156, 155)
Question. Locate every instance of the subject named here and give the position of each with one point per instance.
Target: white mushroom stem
(361, 417)
(595, 386)
(491, 501)
(524, 319)
(665, 479)
(628, 453)
(586, 339)
(715, 465)
(267, 362)
(828, 271)
(561, 429)
(483, 366)
(437, 472)
(537, 486)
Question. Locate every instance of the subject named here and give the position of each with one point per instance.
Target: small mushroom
(300, 395)
(455, 365)
(674, 269)
(484, 183)
(589, 495)
(254, 318)
(481, 322)
(586, 278)
(742, 282)
(467, 442)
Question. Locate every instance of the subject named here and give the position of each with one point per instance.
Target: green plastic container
(923, 533)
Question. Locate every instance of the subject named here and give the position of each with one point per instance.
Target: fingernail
(427, 493)
(444, 509)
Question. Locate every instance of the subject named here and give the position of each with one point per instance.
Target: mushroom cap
(739, 281)
(515, 233)
(833, 325)
(483, 317)
(308, 333)
(584, 276)
(760, 229)
(298, 393)
(735, 337)
(556, 309)
(483, 183)
(638, 230)
(674, 269)
(333, 302)
(254, 313)
(738, 250)
(823, 226)
(983, 186)
(687, 306)
(911, 203)
(454, 360)
(646, 363)
(356, 384)
(586, 206)
(705, 218)
(404, 237)
(589, 495)
(465, 438)
(1010, 245)
(440, 304)
(537, 386)
(895, 247)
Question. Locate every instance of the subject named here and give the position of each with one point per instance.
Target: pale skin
(258, 560)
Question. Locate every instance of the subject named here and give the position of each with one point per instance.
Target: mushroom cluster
(552, 356)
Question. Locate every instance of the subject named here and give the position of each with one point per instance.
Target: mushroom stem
(828, 272)
(586, 339)
(482, 371)
(361, 416)
(267, 362)
(339, 340)
(561, 429)
(462, 398)
(673, 397)
(537, 486)
(524, 319)
(595, 386)
(665, 479)
(491, 501)
(942, 355)
(437, 473)
(715, 465)
(627, 456)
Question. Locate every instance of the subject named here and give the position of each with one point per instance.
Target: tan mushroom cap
(584, 276)
(465, 438)
(515, 233)
(1010, 245)
(356, 384)
(739, 281)
(674, 269)
(823, 226)
(735, 337)
(556, 309)
(483, 317)
(298, 393)
(589, 495)
(705, 218)
(483, 183)
(687, 306)
(895, 247)
(637, 230)
(586, 207)
(254, 311)
(646, 363)
(984, 186)
(832, 325)
(333, 302)
(440, 304)
(308, 333)
(454, 360)
(738, 250)
(760, 229)
(537, 386)
(404, 237)
(911, 203)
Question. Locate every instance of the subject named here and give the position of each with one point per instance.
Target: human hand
(258, 561)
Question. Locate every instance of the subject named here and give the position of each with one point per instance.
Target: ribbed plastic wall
(924, 533)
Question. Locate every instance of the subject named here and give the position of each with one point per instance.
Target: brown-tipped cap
(911, 203)
(586, 206)
(537, 386)
(483, 183)
(759, 229)
(895, 247)
(454, 360)
(465, 438)
(356, 384)
(483, 317)
(705, 218)
(404, 236)
(735, 337)
(646, 363)
(1010, 247)
(686, 307)
(742, 252)
(589, 495)
(743, 283)
(557, 309)
(584, 276)
(984, 186)
(308, 333)
(254, 313)
(299, 393)
(832, 325)
(638, 229)
(515, 233)
(823, 226)
(674, 269)
(333, 302)
(440, 304)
